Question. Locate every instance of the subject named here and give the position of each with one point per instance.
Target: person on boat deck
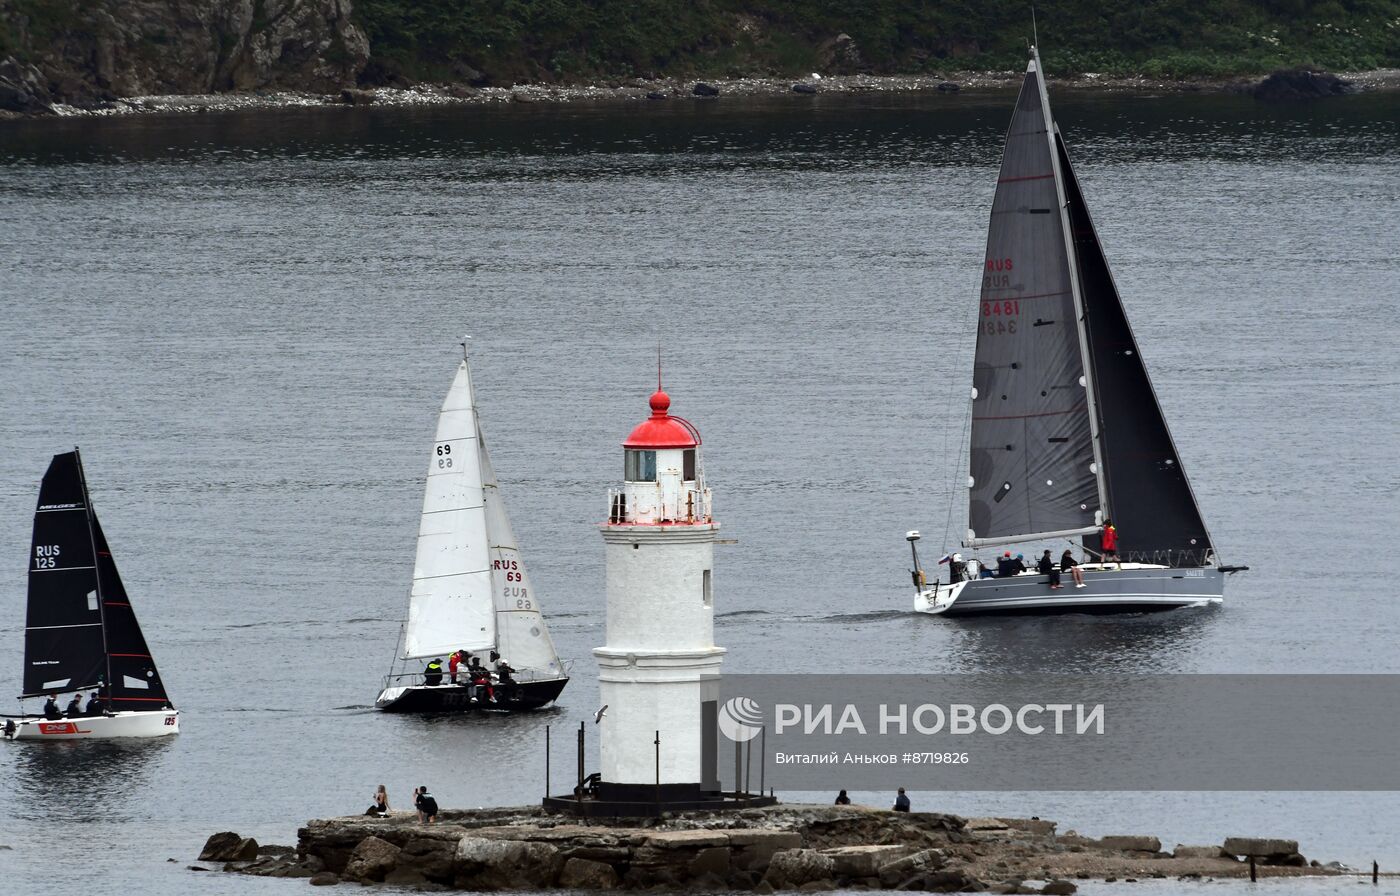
(432, 673)
(1110, 541)
(842, 799)
(1047, 567)
(1068, 564)
(1019, 563)
(957, 570)
(94, 705)
(75, 707)
(51, 710)
(1006, 567)
(505, 674)
(453, 661)
(481, 680)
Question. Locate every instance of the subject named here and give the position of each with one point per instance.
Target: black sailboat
(81, 634)
(1066, 429)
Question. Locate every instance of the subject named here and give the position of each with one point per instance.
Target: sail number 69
(444, 456)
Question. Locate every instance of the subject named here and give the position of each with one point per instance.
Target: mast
(97, 579)
(1076, 292)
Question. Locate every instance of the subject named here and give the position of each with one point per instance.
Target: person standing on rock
(901, 801)
(842, 799)
(427, 806)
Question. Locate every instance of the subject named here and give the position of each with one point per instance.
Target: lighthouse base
(609, 800)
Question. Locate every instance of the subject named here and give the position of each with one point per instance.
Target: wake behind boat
(1066, 429)
(471, 593)
(81, 633)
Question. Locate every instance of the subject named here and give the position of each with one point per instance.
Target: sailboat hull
(161, 723)
(421, 698)
(1131, 588)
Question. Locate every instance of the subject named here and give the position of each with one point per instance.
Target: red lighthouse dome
(662, 430)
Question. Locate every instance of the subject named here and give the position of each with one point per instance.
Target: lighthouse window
(641, 466)
(708, 594)
(688, 465)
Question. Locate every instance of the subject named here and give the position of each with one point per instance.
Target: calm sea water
(248, 323)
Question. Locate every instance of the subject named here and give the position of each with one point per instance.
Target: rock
(791, 868)
(920, 863)
(804, 88)
(763, 888)
(949, 87)
(351, 96)
(751, 850)
(405, 877)
(482, 864)
(1059, 888)
(23, 88)
(710, 860)
(195, 868)
(1129, 843)
(841, 56)
(655, 95)
(703, 89)
(462, 92)
(1300, 84)
(863, 861)
(1288, 860)
(582, 874)
(1258, 846)
(227, 846)
(817, 886)
(952, 882)
(1199, 852)
(324, 879)
(371, 860)
(687, 839)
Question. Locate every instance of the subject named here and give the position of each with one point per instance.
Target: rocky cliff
(87, 51)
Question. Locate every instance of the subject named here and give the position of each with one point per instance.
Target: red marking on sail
(1039, 295)
(143, 656)
(140, 699)
(113, 603)
(1007, 180)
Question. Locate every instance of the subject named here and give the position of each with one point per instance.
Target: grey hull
(1104, 591)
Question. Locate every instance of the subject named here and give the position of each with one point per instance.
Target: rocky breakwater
(88, 52)
(806, 848)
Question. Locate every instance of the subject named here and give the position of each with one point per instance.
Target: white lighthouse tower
(658, 673)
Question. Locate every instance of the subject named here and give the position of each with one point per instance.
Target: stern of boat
(939, 599)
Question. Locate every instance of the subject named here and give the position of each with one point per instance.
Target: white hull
(160, 723)
(1125, 588)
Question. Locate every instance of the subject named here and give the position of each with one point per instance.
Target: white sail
(451, 604)
(522, 638)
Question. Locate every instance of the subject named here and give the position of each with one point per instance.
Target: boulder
(803, 87)
(324, 879)
(227, 846)
(352, 96)
(583, 874)
(687, 839)
(1059, 888)
(1199, 852)
(949, 87)
(710, 860)
(1300, 84)
(1130, 843)
(863, 861)
(1259, 847)
(791, 868)
(371, 860)
(23, 88)
(482, 864)
(703, 89)
(841, 56)
(952, 882)
(655, 95)
(923, 862)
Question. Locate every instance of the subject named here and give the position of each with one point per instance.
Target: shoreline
(661, 90)
(783, 847)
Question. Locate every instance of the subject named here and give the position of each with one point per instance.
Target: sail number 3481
(1000, 317)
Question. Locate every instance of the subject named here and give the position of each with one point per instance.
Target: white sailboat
(471, 591)
(81, 634)
(1066, 431)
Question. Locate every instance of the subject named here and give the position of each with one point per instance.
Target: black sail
(1031, 456)
(63, 637)
(135, 681)
(1148, 496)
(80, 629)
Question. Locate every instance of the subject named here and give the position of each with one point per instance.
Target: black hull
(519, 697)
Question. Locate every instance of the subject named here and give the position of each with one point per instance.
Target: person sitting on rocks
(842, 799)
(51, 710)
(75, 707)
(901, 801)
(426, 805)
(380, 806)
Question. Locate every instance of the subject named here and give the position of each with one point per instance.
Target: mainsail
(1032, 465)
(450, 606)
(80, 629)
(1149, 497)
(470, 586)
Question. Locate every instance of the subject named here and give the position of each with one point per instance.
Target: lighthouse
(658, 671)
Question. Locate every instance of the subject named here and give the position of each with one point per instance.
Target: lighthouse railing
(691, 505)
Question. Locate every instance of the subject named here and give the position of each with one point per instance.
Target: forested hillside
(583, 39)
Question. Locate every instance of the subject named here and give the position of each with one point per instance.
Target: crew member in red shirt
(1110, 541)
